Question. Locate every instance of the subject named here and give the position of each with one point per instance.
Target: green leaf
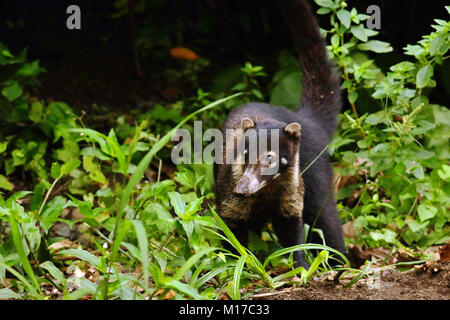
(424, 75)
(83, 255)
(52, 211)
(94, 170)
(327, 3)
(436, 44)
(36, 112)
(177, 203)
(352, 96)
(416, 226)
(444, 173)
(55, 170)
(323, 11)
(69, 166)
(12, 91)
(192, 208)
(5, 184)
(287, 91)
(3, 146)
(426, 212)
(376, 46)
(359, 32)
(6, 293)
(55, 272)
(345, 17)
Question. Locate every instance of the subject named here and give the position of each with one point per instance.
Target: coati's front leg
(289, 230)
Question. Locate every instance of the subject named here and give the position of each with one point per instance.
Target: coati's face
(275, 147)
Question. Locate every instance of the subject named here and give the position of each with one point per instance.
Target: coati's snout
(249, 183)
(271, 163)
(254, 178)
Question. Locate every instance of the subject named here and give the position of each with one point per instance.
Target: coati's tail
(321, 85)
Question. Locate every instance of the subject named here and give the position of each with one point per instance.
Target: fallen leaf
(444, 252)
(63, 244)
(183, 53)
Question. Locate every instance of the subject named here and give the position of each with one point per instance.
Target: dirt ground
(431, 282)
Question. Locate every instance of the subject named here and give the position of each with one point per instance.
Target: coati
(247, 199)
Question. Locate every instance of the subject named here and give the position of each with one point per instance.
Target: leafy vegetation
(85, 213)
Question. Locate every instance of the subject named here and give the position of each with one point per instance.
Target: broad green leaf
(69, 166)
(55, 272)
(424, 75)
(52, 211)
(177, 203)
(36, 112)
(12, 91)
(3, 146)
(444, 173)
(192, 208)
(55, 170)
(436, 44)
(359, 32)
(426, 211)
(82, 255)
(6, 293)
(376, 46)
(327, 3)
(5, 184)
(345, 17)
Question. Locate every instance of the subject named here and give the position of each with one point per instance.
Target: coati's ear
(247, 123)
(293, 129)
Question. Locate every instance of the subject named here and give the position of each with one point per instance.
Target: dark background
(96, 64)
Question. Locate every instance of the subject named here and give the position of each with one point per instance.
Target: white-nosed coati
(247, 199)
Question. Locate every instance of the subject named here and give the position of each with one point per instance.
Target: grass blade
(17, 239)
(24, 281)
(308, 246)
(321, 257)
(360, 275)
(236, 294)
(184, 288)
(191, 261)
(143, 246)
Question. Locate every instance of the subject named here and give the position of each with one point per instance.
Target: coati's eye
(269, 159)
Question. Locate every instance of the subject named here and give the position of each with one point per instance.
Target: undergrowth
(85, 213)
